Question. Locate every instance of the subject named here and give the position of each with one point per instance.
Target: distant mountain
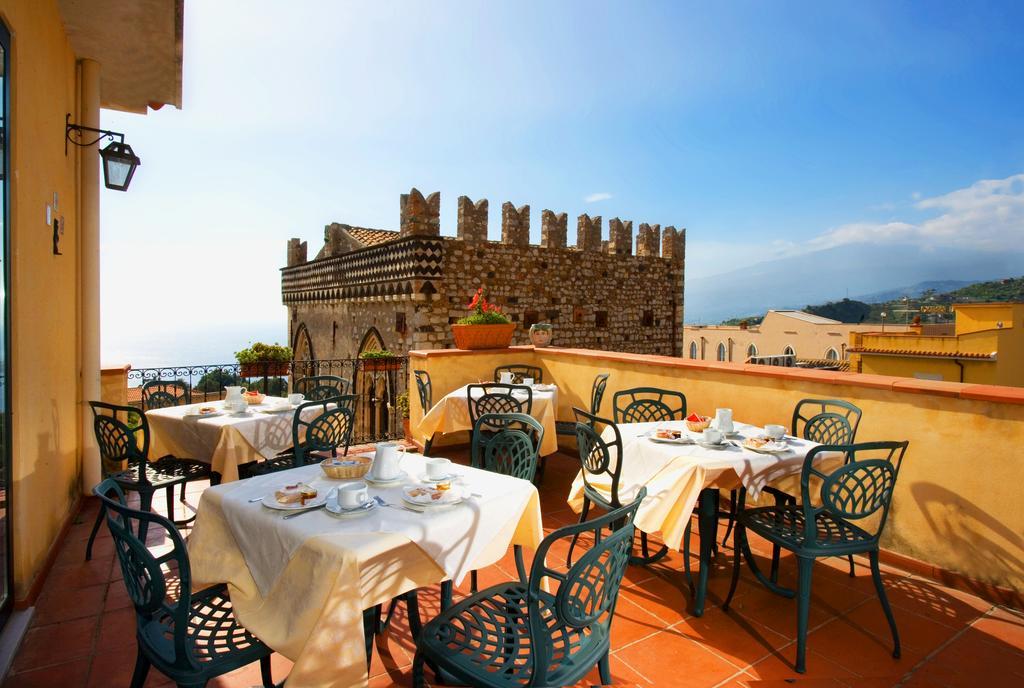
(832, 274)
(914, 290)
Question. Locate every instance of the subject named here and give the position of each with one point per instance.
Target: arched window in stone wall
(377, 389)
(751, 351)
(832, 354)
(789, 351)
(372, 341)
(693, 349)
(303, 357)
(721, 352)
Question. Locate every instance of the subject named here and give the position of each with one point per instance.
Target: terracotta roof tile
(927, 354)
(372, 237)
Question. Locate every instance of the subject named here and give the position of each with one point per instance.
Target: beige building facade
(805, 336)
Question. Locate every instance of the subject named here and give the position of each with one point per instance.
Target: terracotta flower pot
(378, 364)
(483, 336)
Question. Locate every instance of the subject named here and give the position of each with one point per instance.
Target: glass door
(5, 415)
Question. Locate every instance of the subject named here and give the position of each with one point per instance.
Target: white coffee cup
(505, 378)
(296, 399)
(332, 497)
(353, 495)
(438, 469)
(712, 436)
(528, 381)
(776, 432)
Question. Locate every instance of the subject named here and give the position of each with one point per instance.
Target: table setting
(304, 554)
(451, 413)
(678, 460)
(245, 426)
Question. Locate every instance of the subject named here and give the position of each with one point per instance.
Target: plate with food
(669, 436)
(766, 445)
(430, 496)
(278, 408)
(204, 412)
(541, 387)
(295, 496)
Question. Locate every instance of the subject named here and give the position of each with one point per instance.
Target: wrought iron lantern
(119, 160)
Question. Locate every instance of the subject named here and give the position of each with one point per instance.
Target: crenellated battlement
(420, 215)
(409, 285)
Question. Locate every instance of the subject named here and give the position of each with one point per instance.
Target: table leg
(707, 526)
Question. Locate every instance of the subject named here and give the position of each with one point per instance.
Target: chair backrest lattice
(597, 392)
(329, 430)
(498, 398)
(122, 435)
(320, 387)
(512, 447)
(520, 371)
(157, 394)
(145, 576)
(861, 488)
(425, 389)
(585, 595)
(648, 405)
(599, 454)
(807, 424)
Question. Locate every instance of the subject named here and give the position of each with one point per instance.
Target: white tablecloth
(224, 441)
(451, 414)
(301, 584)
(675, 474)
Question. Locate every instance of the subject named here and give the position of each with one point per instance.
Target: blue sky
(763, 127)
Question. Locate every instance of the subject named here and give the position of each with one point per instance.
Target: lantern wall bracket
(78, 130)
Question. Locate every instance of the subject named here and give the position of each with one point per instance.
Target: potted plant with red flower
(485, 328)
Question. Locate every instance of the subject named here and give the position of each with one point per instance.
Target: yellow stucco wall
(978, 331)
(957, 504)
(44, 332)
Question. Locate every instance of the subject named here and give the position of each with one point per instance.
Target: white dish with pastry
(431, 496)
(766, 445)
(295, 496)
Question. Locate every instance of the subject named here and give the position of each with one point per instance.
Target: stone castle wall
(597, 294)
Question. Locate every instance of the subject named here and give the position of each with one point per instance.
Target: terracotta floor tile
(115, 668)
(660, 597)
(860, 651)
(65, 641)
(81, 574)
(631, 623)
(671, 659)
(1004, 626)
(117, 597)
(732, 637)
(916, 631)
(58, 604)
(117, 628)
(779, 666)
(973, 654)
(67, 675)
(947, 606)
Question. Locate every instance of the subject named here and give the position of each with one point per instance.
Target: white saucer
(341, 512)
(706, 445)
(451, 477)
(383, 483)
(671, 440)
(204, 415)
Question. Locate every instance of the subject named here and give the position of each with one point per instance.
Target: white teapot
(234, 402)
(387, 461)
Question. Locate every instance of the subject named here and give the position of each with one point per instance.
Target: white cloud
(987, 215)
(595, 197)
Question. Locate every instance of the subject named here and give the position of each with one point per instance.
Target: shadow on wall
(967, 528)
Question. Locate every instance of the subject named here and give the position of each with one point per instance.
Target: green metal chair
(320, 387)
(519, 372)
(314, 439)
(547, 630)
(568, 427)
(600, 456)
(157, 394)
(426, 391)
(843, 515)
(498, 398)
(191, 637)
(648, 405)
(825, 421)
(122, 434)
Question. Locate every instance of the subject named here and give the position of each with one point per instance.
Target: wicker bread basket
(699, 425)
(346, 467)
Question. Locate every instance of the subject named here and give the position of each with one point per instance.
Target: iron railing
(376, 382)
